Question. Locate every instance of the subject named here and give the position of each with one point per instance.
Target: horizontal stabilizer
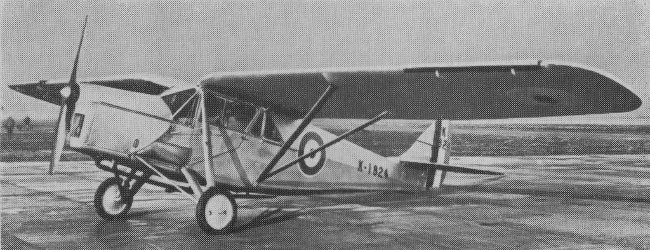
(449, 168)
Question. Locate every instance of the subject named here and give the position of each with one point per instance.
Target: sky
(188, 40)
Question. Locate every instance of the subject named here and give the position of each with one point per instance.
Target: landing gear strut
(216, 211)
(113, 199)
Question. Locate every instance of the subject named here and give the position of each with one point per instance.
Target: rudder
(433, 145)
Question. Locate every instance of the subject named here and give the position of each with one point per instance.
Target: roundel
(311, 165)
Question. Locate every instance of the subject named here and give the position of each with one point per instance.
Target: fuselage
(164, 129)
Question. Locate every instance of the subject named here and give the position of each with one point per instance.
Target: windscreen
(176, 100)
(183, 105)
(232, 114)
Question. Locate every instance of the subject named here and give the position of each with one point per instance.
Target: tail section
(432, 146)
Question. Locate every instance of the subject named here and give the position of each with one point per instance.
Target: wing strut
(326, 145)
(303, 124)
(207, 142)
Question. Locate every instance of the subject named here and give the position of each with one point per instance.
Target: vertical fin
(433, 145)
(440, 152)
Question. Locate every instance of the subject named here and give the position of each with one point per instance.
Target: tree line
(9, 124)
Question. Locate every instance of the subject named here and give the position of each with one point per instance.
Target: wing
(49, 90)
(455, 92)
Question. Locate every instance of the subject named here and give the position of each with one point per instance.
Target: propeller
(69, 97)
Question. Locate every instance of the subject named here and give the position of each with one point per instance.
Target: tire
(106, 201)
(216, 211)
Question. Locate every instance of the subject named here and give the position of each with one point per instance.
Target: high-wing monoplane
(235, 135)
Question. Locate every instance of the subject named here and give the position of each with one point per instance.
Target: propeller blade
(73, 75)
(59, 140)
(74, 86)
(70, 96)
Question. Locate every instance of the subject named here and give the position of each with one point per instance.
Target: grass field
(393, 139)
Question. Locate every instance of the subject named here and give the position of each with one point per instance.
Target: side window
(256, 126)
(176, 100)
(271, 131)
(238, 115)
(215, 110)
(186, 114)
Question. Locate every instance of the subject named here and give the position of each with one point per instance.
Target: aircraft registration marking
(373, 170)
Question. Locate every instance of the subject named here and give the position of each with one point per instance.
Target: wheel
(216, 211)
(112, 199)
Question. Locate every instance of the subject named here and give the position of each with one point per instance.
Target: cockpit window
(265, 122)
(234, 115)
(271, 131)
(187, 113)
(176, 100)
(215, 109)
(183, 105)
(238, 115)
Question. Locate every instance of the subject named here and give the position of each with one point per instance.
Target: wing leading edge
(454, 92)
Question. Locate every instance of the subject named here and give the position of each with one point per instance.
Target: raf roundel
(310, 166)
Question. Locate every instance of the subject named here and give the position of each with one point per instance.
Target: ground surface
(596, 201)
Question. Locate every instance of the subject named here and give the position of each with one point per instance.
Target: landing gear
(113, 199)
(216, 211)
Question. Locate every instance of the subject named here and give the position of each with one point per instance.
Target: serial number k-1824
(373, 170)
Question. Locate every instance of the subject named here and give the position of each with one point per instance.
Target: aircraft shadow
(269, 216)
(112, 233)
(104, 228)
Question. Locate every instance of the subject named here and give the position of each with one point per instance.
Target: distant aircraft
(236, 135)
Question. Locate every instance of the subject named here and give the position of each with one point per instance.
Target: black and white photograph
(305, 124)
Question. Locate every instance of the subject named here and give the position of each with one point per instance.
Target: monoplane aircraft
(235, 135)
